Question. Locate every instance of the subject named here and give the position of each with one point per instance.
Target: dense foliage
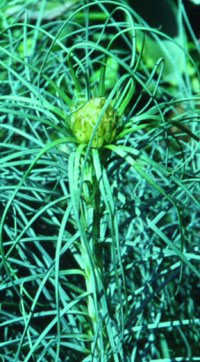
(99, 228)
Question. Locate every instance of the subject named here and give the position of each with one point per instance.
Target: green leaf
(173, 247)
(196, 2)
(164, 38)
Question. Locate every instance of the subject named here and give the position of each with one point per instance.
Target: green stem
(90, 219)
(98, 247)
(86, 194)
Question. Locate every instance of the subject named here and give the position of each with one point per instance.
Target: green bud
(85, 118)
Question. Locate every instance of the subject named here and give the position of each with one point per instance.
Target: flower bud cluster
(84, 119)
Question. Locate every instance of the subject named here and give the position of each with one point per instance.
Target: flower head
(85, 118)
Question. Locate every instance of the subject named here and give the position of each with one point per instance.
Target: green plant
(85, 118)
(99, 233)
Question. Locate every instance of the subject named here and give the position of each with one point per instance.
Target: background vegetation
(99, 247)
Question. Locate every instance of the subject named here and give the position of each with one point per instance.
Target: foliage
(99, 245)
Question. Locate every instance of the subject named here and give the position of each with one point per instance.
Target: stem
(86, 196)
(87, 217)
(98, 248)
